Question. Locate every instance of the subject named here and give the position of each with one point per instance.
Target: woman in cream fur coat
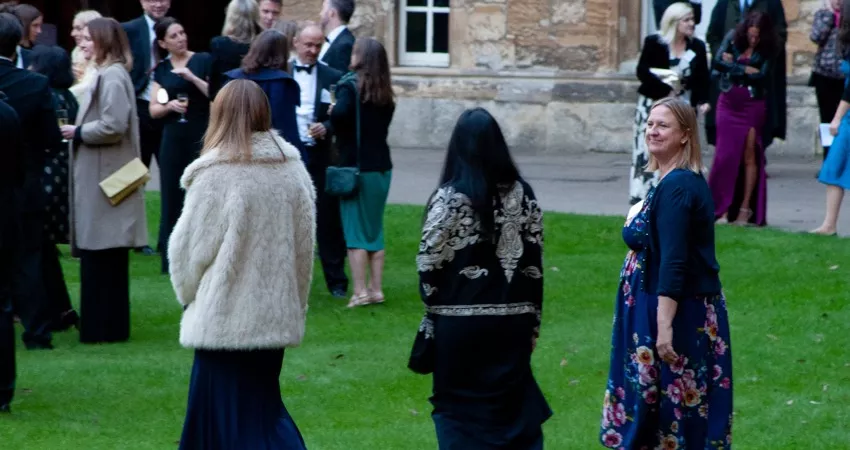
(241, 262)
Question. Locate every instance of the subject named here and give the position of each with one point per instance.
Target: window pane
(441, 33)
(442, 3)
(416, 31)
(417, 2)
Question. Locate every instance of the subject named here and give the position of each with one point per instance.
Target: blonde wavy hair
(670, 20)
(242, 21)
(690, 156)
(87, 15)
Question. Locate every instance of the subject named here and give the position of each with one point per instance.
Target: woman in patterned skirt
(683, 73)
(670, 382)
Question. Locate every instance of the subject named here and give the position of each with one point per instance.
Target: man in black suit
(29, 95)
(142, 39)
(314, 127)
(659, 6)
(339, 42)
(11, 180)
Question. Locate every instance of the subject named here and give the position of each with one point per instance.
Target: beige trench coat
(110, 133)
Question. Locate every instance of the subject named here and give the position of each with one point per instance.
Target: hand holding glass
(62, 119)
(183, 99)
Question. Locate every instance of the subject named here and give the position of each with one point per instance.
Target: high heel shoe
(744, 216)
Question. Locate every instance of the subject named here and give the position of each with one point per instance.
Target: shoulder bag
(342, 181)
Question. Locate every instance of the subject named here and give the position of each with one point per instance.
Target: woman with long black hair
(480, 266)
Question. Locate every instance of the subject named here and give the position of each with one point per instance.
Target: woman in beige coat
(241, 262)
(106, 137)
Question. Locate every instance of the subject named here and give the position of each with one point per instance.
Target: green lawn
(348, 388)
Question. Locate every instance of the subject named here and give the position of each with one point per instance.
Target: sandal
(744, 215)
(359, 300)
(376, 298)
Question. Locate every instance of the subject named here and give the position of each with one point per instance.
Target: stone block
(525, 91)
(569, 12)
(487, 22)
(593, 92)
(494, 56)
(567, 129)
(524, 125)
(411, 125)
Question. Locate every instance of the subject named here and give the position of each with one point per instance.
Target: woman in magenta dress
(744, 64)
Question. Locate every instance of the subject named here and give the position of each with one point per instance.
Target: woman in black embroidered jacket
(480, 266)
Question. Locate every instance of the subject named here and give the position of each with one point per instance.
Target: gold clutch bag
(125, 181)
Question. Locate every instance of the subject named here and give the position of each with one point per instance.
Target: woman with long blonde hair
(241, 26)
(670, 379)
(241, 265)
(82, 67)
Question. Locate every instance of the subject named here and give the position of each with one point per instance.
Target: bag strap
(357, 119)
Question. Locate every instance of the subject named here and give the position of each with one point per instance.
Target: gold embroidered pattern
(474, 272)
(427, 327)
(517, 222)
(449, 227)
(510, 309)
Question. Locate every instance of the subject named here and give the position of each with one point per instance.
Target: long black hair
(478, 163)
(54, 63)
(768, 44)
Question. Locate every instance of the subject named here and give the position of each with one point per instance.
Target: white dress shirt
(148, 92)
(330, 39)
(20, 62)
(306, 113)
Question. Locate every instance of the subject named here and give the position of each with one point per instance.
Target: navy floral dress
(652, 405)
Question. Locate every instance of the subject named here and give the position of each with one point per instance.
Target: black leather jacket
(733, 73)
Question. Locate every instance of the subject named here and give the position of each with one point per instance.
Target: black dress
(483, 295)
(181, 142)
(226, 55)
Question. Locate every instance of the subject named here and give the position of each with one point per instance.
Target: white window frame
(427, 58)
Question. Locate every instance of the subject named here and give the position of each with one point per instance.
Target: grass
(348, 388)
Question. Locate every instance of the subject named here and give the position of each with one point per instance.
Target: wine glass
(183, 99)
(62, 119)
(332, 90)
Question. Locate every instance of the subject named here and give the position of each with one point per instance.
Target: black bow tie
(308, 69)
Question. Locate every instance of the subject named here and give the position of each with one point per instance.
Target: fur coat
(241, 254)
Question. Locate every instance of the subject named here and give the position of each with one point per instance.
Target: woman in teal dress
(181, 72)
(361, 121)
(670, 381)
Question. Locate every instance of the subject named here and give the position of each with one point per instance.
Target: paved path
(597, 183)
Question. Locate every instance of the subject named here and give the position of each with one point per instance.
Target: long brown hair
(690, 156)
(269, 50)
(373, 72)
(240, 109)
(110, 43)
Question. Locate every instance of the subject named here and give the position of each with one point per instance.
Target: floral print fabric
(649, 404)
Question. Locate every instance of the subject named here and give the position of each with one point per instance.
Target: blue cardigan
(681, 263)
(284, 96)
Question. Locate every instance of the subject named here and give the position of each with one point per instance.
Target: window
(424, 33)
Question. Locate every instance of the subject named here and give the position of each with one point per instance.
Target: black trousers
(30, 297)
(104, 295)
(828, 93)
(58, 299)
(332, 249)
(7, 327)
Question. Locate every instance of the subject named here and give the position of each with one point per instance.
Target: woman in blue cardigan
(267, 65)
(670, 382)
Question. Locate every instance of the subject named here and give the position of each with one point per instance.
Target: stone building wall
(549, 70)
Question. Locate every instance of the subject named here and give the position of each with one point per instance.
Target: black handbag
(343, 181)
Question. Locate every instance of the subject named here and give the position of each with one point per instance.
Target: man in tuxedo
(659, 6)
(28, 93)
(314, 127)
(142, 41)
(270, 12)
(336, 52)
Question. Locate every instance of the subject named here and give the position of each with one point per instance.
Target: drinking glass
(62, 119)
(183, 99)
(332, 90)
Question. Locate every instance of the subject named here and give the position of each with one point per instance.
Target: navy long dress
(181, 142)
(235, 403)
(483, 293)
(649, 404)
